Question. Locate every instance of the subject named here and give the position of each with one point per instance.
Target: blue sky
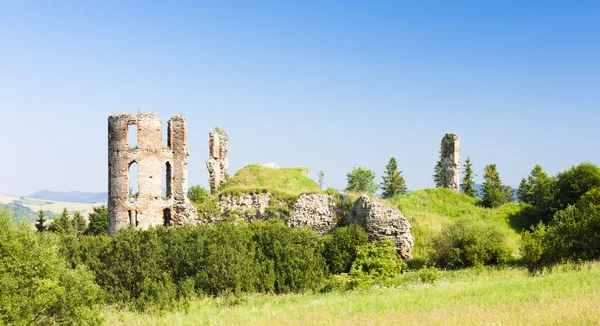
(324, 84)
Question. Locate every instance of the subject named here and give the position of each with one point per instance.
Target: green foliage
(321, 179)
(469, 242)
(361, 180)
(79, 224)
(37, 286)
(206, 204)
(438, 174)
(429, 275)
(393, 182)
(494, 193)
(343, 201)
(62, 224)
(154, 269)
(536, 190)
(534, 248)
(375, 262)
(39, 225)
(292, 181)
(467, 185)
(22, 212)
(98, 221)
(340, 246)
(570, 185)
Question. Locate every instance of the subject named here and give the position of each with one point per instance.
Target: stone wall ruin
(450, 156)
(155, 162)
(217, 163)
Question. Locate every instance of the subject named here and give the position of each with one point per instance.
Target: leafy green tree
(570, 185)
(493, 192)
(321, 179)
(198, 195)
(393, 182)
(361, 180)
(98, 221)
(39, 225)
(79, 223)
(438, 174)
(467, 185)
(340, 245)
(62, 224)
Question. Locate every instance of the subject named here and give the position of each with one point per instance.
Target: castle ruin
(450, 156)
(217, 163)
(159, 168)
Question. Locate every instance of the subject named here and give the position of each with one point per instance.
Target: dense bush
(36, 284)
(340, 247)
(572, 235)
(470, 242)
(152, 269)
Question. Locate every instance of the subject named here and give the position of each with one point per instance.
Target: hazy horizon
(322, 85)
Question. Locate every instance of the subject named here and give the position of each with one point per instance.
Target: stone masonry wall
(148, 208)
(451, 161)
(217, 163)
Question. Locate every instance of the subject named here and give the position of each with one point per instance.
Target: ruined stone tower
(451, 161)
(217, 163)
(159, 167)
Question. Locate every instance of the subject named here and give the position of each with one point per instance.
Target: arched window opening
(132, 135)
(166, 216)
(133, 180)
(166, 182)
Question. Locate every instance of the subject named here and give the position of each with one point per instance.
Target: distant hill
(71, 196)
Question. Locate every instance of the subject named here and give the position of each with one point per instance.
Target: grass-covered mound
(430, 210)
(255, 178)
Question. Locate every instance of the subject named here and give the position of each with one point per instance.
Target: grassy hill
(291, 181)
(428, 210)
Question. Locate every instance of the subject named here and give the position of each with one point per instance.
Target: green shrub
(98, 221)
(470, 242)
(429, 275)
(534, 248)
(36, 284)
(340, 247)
(375, 262)
(206, 204)
(290, 260)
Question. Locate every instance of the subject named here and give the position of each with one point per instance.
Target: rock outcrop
(316, 211)
(380, 221)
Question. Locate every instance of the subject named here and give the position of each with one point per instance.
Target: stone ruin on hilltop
(148, 207)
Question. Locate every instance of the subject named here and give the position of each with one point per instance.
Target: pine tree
(40, 221)
(393, 182)
(467, 186)
(535, 190)
(79, 223)
(493, 192)
(438, 174)
(62, 224)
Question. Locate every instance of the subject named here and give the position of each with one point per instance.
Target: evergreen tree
(40, 221)
(98, 221)
(493, 192)
(438, 174)
(467, 186)
(536, 189)
(79, 223)
(361, 180)
(393, 181)
(62, 224)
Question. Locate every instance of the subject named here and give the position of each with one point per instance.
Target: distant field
(53, 206)
(568, 296)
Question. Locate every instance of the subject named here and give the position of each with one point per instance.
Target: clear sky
(324, 84)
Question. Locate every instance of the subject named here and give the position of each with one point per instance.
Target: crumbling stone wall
(148, 208)
(451, 160)
(217, 163)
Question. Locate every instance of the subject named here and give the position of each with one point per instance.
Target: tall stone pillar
(217, 163)
(451, 160)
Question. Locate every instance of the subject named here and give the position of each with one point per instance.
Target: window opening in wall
(133, 218)
(167, 217)
(168, 135)
(133, 180)
(132, 135)
(166, 181)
